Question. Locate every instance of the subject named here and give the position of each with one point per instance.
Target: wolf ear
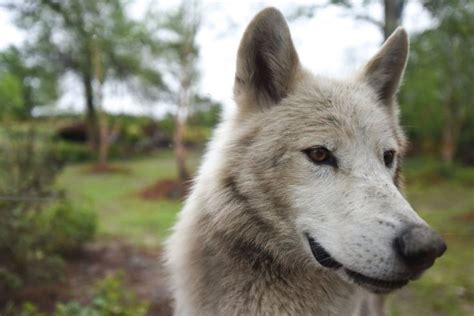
(267, 62)
(385, 70)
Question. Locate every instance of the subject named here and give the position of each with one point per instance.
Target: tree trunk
(103, 150)
(92, 122)
(98, 84)
(393, 10)
(179, 132)
(454, 116)
(448, 144)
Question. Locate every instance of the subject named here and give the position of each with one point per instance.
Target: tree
(393, 13)
(95, 40)
(440, 76)
(181, 52)
(24, 83)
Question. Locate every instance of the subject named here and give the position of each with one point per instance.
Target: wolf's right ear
(385, 70)
(267, 62)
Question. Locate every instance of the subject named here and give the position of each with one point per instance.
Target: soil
(469, 217)
(141, 268)
(101, 169)
(165, 189)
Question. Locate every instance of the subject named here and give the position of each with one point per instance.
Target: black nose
(419, 246)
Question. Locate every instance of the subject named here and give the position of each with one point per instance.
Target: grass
(121, 211)
(443, 196)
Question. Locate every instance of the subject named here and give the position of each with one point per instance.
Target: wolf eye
(321, 156)
(388, 157)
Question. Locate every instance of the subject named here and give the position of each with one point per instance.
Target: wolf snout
(419, 246)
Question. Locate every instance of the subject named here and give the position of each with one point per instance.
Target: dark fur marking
(263, 78)
(258, 257)
(231, 186)
(254, 227)
(278, 157)
(239, 80)
(247, 139)
(331, 119)
(267, 59)
(252, 216)
(397, 176)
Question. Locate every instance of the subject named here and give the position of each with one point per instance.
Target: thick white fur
(255, 169)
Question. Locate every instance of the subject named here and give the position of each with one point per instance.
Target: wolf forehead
(328, 110)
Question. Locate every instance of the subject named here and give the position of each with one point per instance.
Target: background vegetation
(86, 199)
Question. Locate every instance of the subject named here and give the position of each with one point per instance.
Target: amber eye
(321, 155)
(318, 154)
(388, 158)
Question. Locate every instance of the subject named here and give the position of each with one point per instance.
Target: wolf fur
(240, 244)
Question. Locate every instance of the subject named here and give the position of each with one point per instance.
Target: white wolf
(296, 209)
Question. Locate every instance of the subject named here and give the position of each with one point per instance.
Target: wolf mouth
(372, 284)
(375, 285)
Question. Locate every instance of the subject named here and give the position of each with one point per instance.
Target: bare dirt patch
(165, 189)
(141, 267)
(468, 217)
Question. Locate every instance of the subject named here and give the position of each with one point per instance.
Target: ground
(131, 230)
(117, 197)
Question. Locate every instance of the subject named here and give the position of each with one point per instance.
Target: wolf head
(325, 155)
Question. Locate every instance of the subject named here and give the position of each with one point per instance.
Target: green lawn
(121, 211)
(443, 197)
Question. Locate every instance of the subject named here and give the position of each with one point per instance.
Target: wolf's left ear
(267, 62)
(385, 70)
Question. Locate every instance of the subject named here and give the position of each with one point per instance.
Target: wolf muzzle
(419, 246)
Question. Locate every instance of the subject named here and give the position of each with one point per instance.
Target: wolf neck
(240, 257)
(245, 267)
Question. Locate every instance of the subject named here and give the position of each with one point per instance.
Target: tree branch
(368, 18)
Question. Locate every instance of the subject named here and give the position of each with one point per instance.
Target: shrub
(38, 224)
(26, 309)
(66, 227)
(112, 298)
(72, 152)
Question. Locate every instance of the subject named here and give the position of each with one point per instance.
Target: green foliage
(72, 152)
(198, 130)
(10, 95)
(438, 97)
(38, 224)
(112, 298)
(99, 43)
(131, 128)
(25, 309)
(94, 39)
(66, 227)
(206, 112)
(24, 83)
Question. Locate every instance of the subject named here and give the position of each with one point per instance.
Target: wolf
(297, 208)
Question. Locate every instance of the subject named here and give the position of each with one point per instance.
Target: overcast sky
(330, 43)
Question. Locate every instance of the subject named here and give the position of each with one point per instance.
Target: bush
(66, 228)
(112, 298)
(72, 152)
(38, 224)
(26, 309)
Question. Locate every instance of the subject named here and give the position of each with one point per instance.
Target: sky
(330, 43)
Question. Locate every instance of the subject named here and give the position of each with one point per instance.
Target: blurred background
(106, 107)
